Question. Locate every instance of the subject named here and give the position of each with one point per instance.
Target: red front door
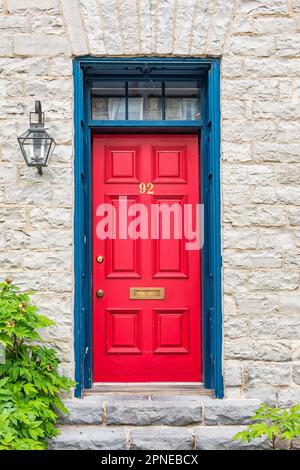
(147, 325)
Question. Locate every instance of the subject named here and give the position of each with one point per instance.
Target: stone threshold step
(150, 438)
(195, 388)
(170, 411)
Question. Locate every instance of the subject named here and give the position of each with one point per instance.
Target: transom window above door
(147, 100)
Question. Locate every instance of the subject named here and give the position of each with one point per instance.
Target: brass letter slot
(147, 293)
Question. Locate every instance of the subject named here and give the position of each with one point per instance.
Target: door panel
(123, 331)
(171, 331)
(143, 335)
(122, 256)
(169, 256)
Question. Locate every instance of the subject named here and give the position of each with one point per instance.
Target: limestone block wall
(259, 43)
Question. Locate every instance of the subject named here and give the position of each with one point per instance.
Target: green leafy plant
(30, 384)
(279, 425)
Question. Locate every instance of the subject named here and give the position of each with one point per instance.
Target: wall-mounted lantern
(36, 145)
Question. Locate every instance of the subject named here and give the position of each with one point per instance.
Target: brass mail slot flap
(147, 293)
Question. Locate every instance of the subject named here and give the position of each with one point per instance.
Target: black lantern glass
(36, 144)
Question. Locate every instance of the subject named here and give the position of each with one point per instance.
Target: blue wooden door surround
(86, 69)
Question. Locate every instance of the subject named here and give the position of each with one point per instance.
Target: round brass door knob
(100, 293)
(100, 259)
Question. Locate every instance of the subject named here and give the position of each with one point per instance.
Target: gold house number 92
(146, 188)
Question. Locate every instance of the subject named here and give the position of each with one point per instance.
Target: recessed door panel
(170, 258)
(121, 164)
(171, 331)
(123, 331)
(169, 164)
(122, 255)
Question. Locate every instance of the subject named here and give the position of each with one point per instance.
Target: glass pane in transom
(182, 101)
(108, 101)
(145, 100)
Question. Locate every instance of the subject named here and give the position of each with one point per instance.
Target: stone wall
(259, 42)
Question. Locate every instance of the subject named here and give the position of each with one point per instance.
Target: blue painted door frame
(208, 70)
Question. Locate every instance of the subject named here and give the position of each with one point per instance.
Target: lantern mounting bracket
(36, 119)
